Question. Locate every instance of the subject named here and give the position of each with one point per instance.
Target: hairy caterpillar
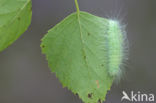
(117, 46)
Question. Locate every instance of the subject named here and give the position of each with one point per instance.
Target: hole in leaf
(84, 57)
(19, 18)
(90, 95)
(31, 9)
(43, 46)
(99, 101)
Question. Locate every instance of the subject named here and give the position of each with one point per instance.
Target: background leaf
(15, 17)
(79, 51)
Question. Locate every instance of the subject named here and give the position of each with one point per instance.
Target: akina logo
(138, 97)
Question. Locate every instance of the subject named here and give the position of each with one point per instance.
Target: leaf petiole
(77, 7)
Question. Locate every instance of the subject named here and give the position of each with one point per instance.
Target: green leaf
(85, 52)
(15, 17)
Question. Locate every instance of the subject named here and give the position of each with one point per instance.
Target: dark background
(24, 73)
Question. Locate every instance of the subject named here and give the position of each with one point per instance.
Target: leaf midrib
(82, 41)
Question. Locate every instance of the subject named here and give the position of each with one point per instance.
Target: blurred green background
(24, 73)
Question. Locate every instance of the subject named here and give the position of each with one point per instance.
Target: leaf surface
(77, 50)
(15, 17)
